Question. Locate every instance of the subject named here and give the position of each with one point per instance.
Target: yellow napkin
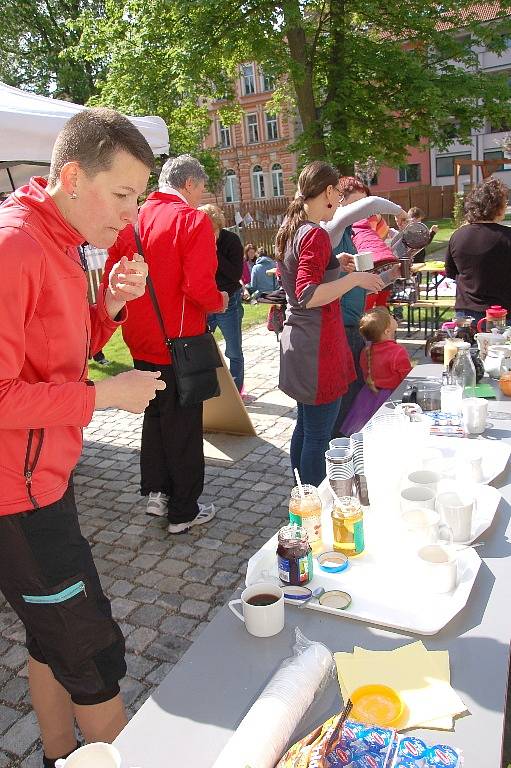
(421, 677)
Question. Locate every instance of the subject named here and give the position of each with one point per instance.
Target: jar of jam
(294, 556)
(348, 525)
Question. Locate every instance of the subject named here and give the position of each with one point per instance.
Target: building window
(252, 129)
(495, 154)
(272, 128)
(267, 82)
(258, 182)
(248, 78)
(277, 178)
(231, 189)
(411, 172)
(445, 164)
(224, 132)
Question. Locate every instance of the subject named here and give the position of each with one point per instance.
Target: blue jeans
(312, 433)
(229, 323)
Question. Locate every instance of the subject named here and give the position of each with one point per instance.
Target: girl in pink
(384, 364)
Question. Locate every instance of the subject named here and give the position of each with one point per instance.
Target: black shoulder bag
(194, 358)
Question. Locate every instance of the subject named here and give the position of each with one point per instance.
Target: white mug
(424, 526)
(438, 568)
(475, 412)
(417, 497)
(424, 478)
(96, 755)
(261, 620)
(456, 509)
(363, 260)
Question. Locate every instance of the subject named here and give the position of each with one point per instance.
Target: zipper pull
(28, 478)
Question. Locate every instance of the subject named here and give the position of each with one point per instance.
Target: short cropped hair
(486, 200)
(92, 137)
(177, 170)
(214, 213)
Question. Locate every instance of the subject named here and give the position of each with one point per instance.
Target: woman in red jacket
(316, 365)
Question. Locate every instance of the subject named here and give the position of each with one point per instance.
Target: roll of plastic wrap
(263, 735)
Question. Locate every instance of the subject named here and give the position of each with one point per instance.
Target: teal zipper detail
(60, 597)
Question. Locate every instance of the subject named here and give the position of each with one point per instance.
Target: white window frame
(258, 184)
(231, 184)
(277, 180)
(266, 83)
(252, 128)
(248, 79)
(405, 168)
(224, 132)
(274, 122)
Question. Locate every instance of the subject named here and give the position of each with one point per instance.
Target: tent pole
(11, 179)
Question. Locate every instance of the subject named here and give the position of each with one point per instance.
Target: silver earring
(73, 195)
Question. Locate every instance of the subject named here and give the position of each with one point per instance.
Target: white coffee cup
(456, 509)
(424, 478)
(417, 497)
(424, 526)
(475, 412)
(96, 755)
(363, 261)
(261, 620)
(438, 568)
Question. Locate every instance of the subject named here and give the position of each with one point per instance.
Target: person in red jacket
(384, 364)
(179, 245)
(100, 164)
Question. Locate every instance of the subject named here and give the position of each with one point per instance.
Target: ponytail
(369, 381)
(294, 216)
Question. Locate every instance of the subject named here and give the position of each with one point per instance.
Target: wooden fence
(436, 202)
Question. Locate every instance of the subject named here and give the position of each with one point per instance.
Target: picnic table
(192, 714)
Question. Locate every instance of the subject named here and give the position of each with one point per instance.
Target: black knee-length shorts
(48, 576)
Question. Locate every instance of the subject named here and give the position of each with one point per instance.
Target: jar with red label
(294, 556)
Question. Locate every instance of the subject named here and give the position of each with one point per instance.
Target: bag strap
(152, 292)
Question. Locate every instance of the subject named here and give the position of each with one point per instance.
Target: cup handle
(449, 536)
(239, 615)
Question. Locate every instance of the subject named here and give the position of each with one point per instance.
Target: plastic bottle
(463, 371)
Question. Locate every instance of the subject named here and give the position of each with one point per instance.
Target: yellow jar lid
(377, 705)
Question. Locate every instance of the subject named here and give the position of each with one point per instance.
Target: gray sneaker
(205, 514)
(157, 504)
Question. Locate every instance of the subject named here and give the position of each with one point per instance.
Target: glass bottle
(348, 526)
(294, 556)
(305, 510)
(463, 371)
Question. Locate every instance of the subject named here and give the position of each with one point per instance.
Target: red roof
(476, 12)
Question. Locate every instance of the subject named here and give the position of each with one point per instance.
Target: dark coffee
(262, 599)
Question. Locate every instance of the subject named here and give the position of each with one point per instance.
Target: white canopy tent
(29, 125)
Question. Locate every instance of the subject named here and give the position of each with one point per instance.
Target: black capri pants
(48, 576)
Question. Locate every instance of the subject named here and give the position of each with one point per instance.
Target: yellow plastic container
(377, 705)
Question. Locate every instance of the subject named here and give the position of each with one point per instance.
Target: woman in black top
(479, 253)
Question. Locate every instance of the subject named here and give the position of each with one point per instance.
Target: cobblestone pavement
(164, 589)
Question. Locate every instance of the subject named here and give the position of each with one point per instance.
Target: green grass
(120, 359)
(445, 230)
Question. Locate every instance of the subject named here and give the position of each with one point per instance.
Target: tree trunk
(302, 79)
(335, 103)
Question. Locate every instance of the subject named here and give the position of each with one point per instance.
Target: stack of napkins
(421, 677)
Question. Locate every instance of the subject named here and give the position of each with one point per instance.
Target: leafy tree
(33, 35)
(365, 77)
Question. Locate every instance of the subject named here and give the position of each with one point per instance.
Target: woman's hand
(346, 262)
(370, 282)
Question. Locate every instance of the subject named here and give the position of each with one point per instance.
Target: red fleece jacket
(180, 250)
(47, 332)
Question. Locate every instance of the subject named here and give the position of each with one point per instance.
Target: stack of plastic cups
(384, 446)
(357, 447)
(339, 471)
